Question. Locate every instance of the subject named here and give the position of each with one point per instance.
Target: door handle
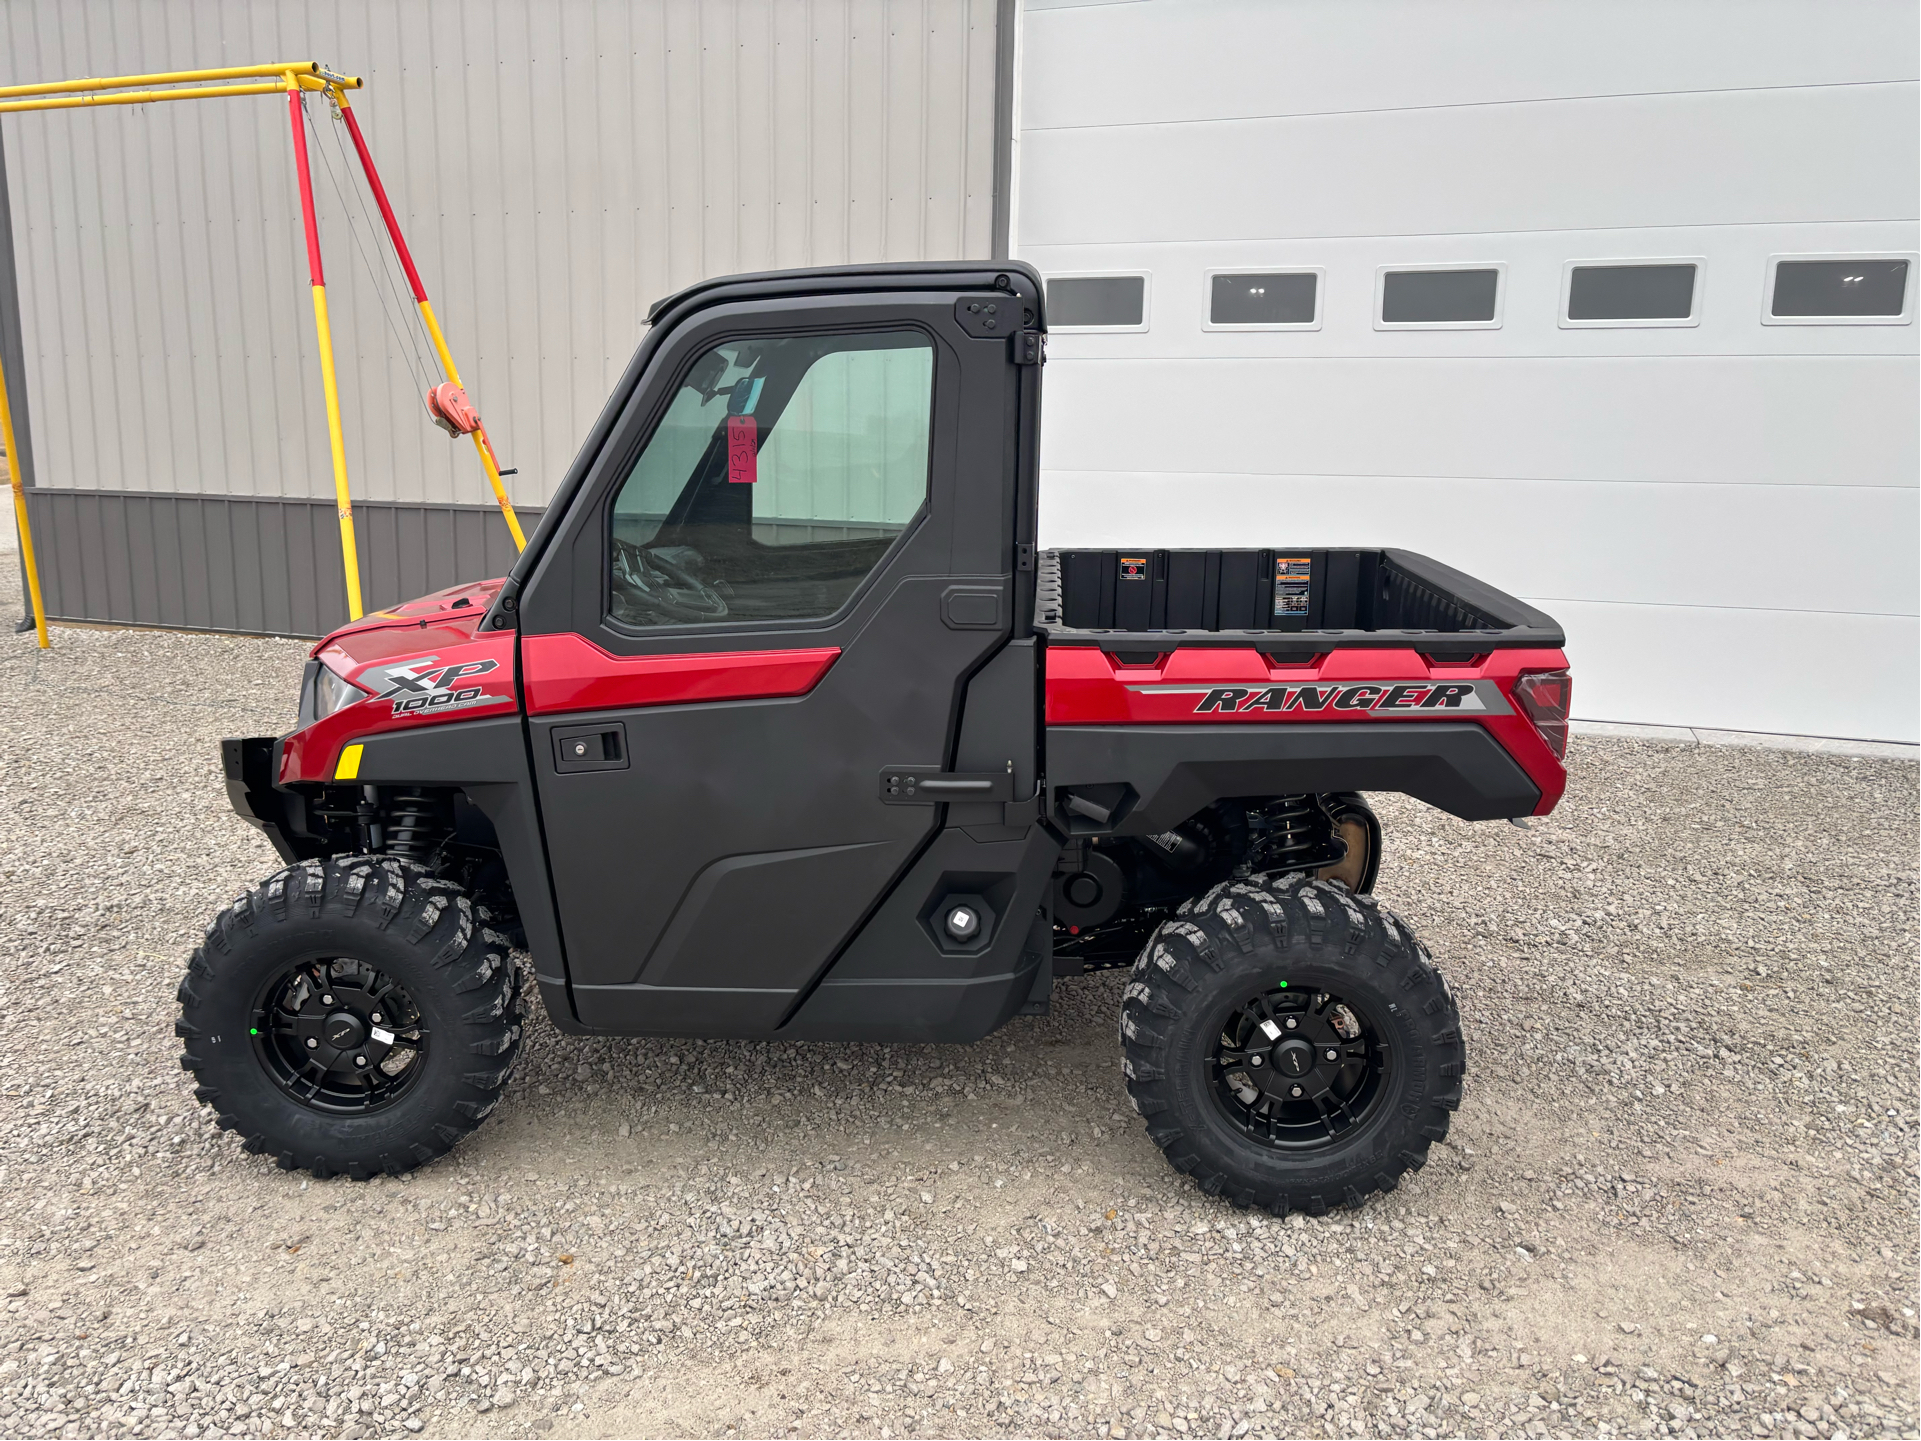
(930, 785)
(600, 747)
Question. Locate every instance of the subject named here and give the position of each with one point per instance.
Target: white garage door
(1609, 304)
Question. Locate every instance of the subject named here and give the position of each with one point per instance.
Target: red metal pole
(314, 275)
(323, 332)
(386, 210)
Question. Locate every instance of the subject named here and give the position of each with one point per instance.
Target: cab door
(768, 592)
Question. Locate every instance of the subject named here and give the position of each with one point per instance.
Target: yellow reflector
(349, 766)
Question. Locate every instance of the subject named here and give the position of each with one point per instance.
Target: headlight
(332, 692)
(322, 693)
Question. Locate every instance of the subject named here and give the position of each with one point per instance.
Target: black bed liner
(1286, 602)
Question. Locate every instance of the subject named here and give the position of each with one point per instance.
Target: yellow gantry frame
(291, 79)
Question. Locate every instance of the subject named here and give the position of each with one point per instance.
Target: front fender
(487, 759)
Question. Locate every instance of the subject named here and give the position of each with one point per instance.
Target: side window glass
(780, 475)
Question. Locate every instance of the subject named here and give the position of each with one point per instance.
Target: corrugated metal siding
(556, 169)
(255, 566)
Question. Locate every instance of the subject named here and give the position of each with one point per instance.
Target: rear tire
(1342, 1102)
(383, 958)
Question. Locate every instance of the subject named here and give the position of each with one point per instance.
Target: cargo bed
(1287, 602)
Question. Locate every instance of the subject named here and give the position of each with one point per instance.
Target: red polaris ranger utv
(781, 728)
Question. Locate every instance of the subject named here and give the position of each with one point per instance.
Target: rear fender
(1446, 731)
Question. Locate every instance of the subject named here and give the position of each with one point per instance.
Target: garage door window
(1264, 300)
(782, 472)
(1639, 293)
(1449, 297)
(1097, 302)
(1839, 290)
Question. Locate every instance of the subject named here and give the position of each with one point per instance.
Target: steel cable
(417, 365)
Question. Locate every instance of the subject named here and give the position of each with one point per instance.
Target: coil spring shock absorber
(414, 826)
(1299, 835)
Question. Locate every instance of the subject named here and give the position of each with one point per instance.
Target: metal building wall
(1708, 509)
(556, 168)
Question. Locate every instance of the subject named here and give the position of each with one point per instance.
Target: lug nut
(1334, 1055)
(312, 1043)
(376, 1018)
(962, 923)
(360, 1060)
(1253, 1060)
(329, 1000)
(1292, 1023)
(1295, 1091)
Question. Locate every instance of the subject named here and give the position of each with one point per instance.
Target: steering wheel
(650, 589)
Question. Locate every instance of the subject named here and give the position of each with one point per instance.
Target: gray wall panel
(257, 565)
(556, 169)
(111, 559)
(257, 547)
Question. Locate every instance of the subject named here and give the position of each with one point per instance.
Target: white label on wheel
(1270, 1030)
(386, 1038)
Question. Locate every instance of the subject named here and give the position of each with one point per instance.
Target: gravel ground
(1680, 1198)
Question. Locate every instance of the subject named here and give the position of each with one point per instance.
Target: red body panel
(423, 662)
(1232, 686)
(445, 672)
(570, 673)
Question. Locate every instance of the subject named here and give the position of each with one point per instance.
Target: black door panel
(706, 888)
(762, 778)
(744, 916)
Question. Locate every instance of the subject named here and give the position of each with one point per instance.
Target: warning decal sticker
(1292, 575)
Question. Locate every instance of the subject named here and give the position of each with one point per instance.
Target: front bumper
(250, 764)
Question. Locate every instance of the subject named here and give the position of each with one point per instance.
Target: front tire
(353, 1016)
(1290, 1045)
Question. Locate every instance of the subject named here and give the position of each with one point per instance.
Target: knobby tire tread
(469, 959)
(1280, 923)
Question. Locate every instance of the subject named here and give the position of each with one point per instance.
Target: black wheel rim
(1299, 1069)
(338, 1036)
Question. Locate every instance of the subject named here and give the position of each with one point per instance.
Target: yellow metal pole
(482, 444)
(148, 97)
(349, 552)
(311, 73)
(20, 514)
